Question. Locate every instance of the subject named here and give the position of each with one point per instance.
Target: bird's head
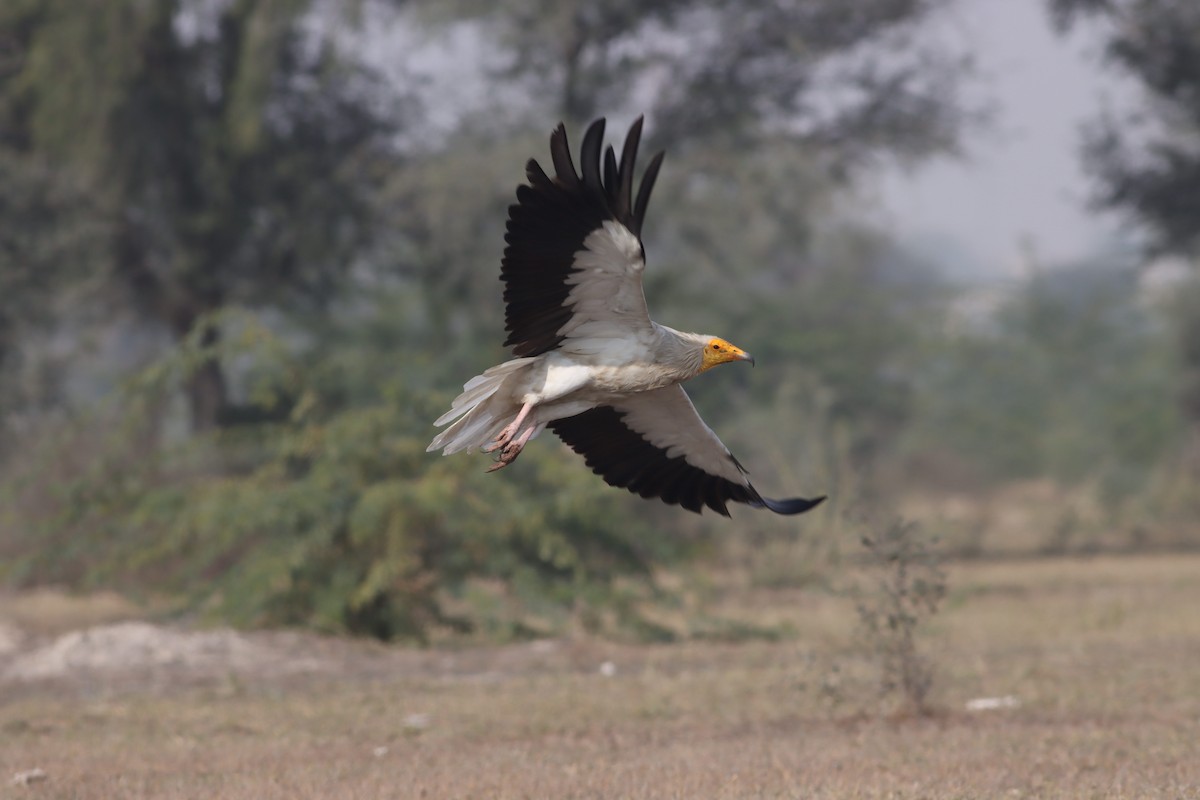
(718, 351)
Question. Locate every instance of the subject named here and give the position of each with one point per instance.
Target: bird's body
(591, 363)
(562, 383)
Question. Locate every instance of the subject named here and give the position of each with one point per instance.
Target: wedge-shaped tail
(478, 413)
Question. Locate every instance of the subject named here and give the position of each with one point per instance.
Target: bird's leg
(512, 449)
(510, 430)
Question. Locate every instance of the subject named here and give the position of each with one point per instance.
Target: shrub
(334, 518)
(909, 585)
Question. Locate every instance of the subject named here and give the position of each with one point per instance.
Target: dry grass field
(1100, 657)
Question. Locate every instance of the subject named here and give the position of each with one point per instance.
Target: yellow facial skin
(719, 351)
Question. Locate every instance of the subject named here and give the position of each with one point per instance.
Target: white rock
(29, 776)
(416, 722)
(992, 703)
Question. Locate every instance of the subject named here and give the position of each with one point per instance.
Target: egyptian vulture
(590, 363)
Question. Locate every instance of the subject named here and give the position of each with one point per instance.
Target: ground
(1053, 678)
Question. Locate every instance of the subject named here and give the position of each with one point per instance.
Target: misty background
(250, 250)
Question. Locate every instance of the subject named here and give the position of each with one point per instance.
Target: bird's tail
(478, 421)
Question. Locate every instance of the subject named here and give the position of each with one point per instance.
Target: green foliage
(338, 519)
(1071, 378)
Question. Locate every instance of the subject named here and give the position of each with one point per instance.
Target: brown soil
(1055, 678)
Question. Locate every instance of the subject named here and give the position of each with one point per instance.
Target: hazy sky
(1021, 185)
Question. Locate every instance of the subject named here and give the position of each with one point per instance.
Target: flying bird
(590, 363)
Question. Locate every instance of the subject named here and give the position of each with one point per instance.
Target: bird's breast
(560, 378)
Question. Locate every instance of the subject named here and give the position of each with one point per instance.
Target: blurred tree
(1066, 379)
(1147, 163)
(46, 236)
(847, 80)
(225, 150)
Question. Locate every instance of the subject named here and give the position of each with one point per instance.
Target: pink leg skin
(510, 430)
(512, 449)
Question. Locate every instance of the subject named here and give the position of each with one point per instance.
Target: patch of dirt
(140, 656)
(49, 612)
(11, 639)
(126, 648)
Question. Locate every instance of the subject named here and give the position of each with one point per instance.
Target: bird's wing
(574, 260)
(655, 444)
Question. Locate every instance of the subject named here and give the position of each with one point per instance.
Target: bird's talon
(500, 441)
(507, 456)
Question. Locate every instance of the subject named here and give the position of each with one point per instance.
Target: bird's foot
(509, 431)
(507, 456)
(500, 441)
(511, 450)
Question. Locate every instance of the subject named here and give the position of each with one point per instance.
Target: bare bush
(909, 585)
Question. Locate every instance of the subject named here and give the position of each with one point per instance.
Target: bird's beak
(719, 351)
(735, 353)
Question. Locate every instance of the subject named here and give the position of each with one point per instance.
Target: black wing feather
(643, 196)
(549, 223)
(560, 154)
(589, 157)
(612, 178)
(623, 186)
(623, 458)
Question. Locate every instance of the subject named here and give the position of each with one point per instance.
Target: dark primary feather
(549, 222)
(623, 458)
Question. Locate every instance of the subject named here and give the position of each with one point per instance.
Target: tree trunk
(206, 395)
(205, 388)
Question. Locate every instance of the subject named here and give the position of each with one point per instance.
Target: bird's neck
(681, 353)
